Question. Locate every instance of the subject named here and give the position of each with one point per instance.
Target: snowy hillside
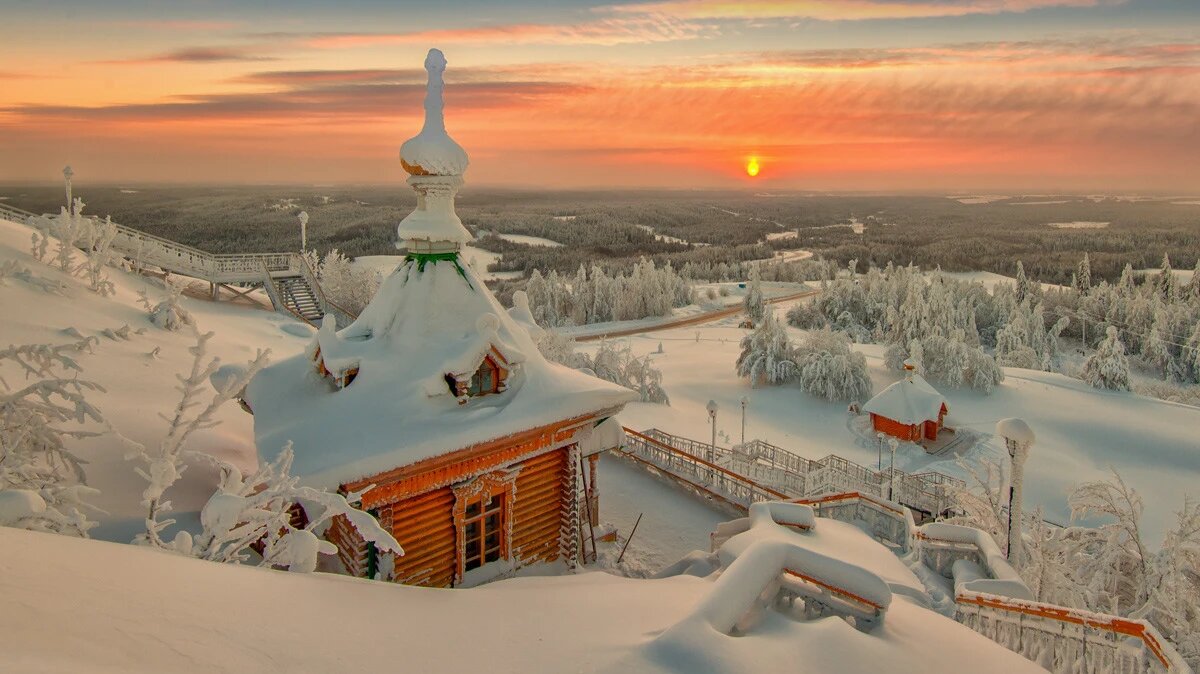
(139, 386)
(131, 609)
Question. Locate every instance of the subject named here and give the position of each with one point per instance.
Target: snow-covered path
(674, 521)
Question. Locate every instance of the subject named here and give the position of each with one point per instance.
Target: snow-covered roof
(910, 401)
(429, 319)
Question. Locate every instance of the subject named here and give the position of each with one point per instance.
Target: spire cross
(435, 65)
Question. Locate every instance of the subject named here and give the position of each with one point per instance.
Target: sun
(752, 167)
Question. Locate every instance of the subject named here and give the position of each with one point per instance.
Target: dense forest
(617, 228)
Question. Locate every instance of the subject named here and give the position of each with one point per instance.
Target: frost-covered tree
(346, 284)
(163, 466)
(1155, 349)
(1165, 281)
(42, 482)
(84, 245)
(830, 369)
(1083, 276)
(1108, 367)
(766, 355)
(260, 509)
(754, 302)
(806, 316)
(168, 313)
(614, 362)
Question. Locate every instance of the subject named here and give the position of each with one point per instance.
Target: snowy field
(1081, 431)
(1078, 224)
(530, 240)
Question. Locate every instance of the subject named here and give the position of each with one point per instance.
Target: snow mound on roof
(910, 401)
(429, 321)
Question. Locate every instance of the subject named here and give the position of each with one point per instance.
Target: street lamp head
(67, 172)
(712, 408)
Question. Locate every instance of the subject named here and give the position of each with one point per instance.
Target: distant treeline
(617, 228)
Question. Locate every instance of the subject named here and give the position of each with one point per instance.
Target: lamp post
(712, 448)
(67, 173)
(879, 459)
(745, 401)
(893, 443)
(1018, 438)
(303, 230)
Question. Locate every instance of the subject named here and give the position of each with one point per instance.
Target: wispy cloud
(605, 32)
(327, 96)
(180, 25)
(842, 10)
(198, 55)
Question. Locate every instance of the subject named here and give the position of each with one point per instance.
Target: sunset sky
(933, 95)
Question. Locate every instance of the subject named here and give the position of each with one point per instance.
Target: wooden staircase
(287, 277)
(298, 296)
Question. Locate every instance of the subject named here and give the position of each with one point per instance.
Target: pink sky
(842, 95)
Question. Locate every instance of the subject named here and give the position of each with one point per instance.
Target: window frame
(482, 490)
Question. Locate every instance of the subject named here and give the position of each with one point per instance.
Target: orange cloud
(960, 115)
(843, 10)
(606, 32)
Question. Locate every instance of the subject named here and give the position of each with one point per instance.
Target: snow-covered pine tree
(1192, 289)
(1165, 281)
(766, 355)
(1155, 349)
(1108, 367)
(43, 486)
(830, 369)
(1083, 276)
(753, 303)
(1022, 282)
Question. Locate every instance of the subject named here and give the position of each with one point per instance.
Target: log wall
(538, 508)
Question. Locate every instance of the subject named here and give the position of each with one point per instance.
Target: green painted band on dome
(422, 259)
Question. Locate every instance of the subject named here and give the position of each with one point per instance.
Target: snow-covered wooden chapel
(909, 409)
(477, 453)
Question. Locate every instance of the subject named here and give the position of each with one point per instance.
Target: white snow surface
(530, 240)
(132, 609)
(910, 401)
(138, 374)
(421, 326)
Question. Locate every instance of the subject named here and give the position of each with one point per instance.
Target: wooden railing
(1065, 640)
(888, 521)
(929, 493)
(183, 259)
(1061, 639)
(697, 472)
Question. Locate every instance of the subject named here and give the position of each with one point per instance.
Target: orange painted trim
(1061, 614)
(846, 496)
(455, 466)
(835, 589)
(690, 457)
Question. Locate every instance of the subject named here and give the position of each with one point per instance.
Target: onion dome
(435, 164)
(432, 152)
